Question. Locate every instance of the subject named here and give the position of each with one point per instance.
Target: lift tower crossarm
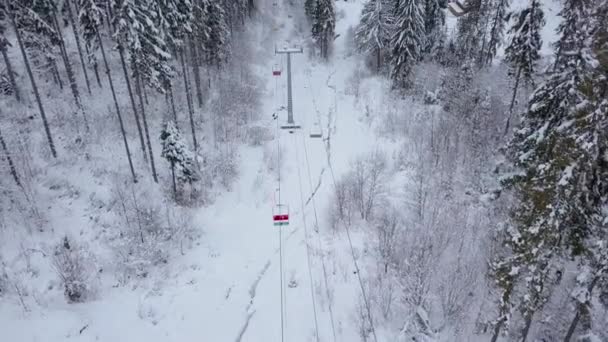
(288, 51)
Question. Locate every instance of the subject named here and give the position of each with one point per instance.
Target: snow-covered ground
(227, 286)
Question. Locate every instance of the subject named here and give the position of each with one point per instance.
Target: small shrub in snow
(73, 264)
(359, 190)
(149, 232)
(222, 165)
(430, 98)
(257, 135)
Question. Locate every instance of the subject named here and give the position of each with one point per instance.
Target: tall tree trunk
(515, 87)
(9, 69)
(188, 99)
(56, 76)
(528, 324)
(34, 87)
(122, 126)
(172, 101)
(143, 118)
(121, 52)
(143, 90)
(8, 158)
(581, 311)
(173, 179)
(68, 6)
(95, 67)
(196, 70)
(497, 328)
(70, 72)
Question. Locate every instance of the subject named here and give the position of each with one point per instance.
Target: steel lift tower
(291, 125)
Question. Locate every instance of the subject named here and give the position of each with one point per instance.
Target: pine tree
(497, 26)
(4, 44)
(11, 10)
(309, 9)
(176, 19)
(68, 6)
(175, 151)
(434, 25)
(135, 24)
(49, 9)
(137, 27)
(373, 33)
(323, 26)
(91, 45)
(200, 35)
(471, 31)
(407, 41)
(522, 53)
(559, 154)
(112, 8)
(216, 44)
(39, 37)
(574, 13)
(91, 19)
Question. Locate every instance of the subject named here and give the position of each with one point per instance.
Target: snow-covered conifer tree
(434, 22)
(216, 45)
(309, 8)
(407, 41)
(323, 26)
(373, 33)
(498, 19)
(90, 18)
(4, 44)
(522, 53)
(558, 153)
(175, 151)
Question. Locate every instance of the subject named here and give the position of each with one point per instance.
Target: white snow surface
(226, 287)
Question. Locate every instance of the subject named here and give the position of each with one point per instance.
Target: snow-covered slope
(226, 287)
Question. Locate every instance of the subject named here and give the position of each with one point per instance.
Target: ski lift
(457, 8)
(315, 131)
(276, 70)
(280, 215)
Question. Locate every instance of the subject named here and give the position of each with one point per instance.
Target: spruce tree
(4, 44)
(498, 21)
(217, 39)
(89, 34)
(373, 33)
(309, 8)
(558, 154)
(323, 26)
(181, 159)
(522, 53)
(90, 19)
(12, 10)
(434, 24)
(573, 13)
(407, 41)
(471, 32)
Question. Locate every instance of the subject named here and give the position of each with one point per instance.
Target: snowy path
(227, 288)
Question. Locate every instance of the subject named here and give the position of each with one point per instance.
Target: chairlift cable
(278, 137)
(350, 243)
(320, 245)
(312, 293)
